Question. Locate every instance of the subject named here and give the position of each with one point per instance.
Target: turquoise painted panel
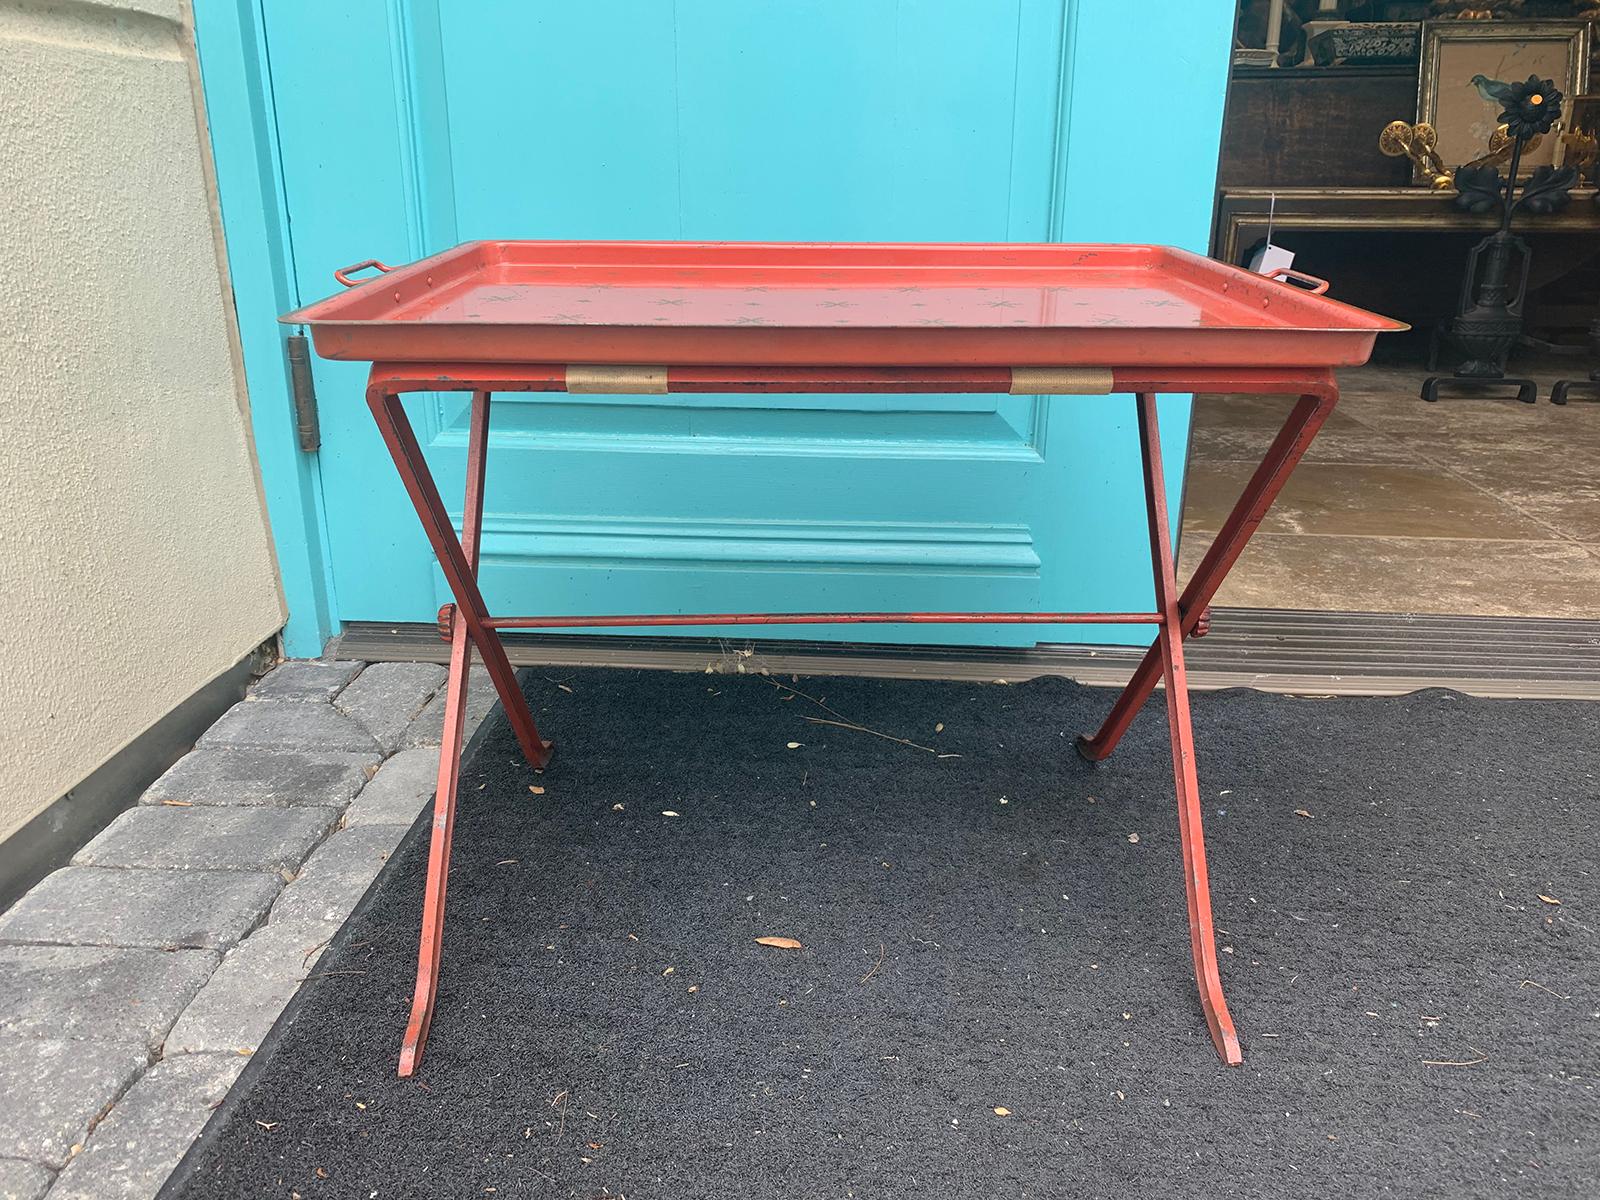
(406, 127)
(239, 109)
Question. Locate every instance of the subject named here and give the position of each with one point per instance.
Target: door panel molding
(999, 427)
(416, 51)
(751, 544)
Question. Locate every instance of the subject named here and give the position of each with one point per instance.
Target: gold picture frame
(1455, 51)
(1581, 132)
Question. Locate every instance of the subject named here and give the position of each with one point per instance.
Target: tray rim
(310, 314)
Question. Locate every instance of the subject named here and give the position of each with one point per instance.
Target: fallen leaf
(794, 745)
(667, 812)
(939, 728)
(616, 808)
(1001, 1110)
(782, 943)
(536, 789)
(669, 970)
(1133, 837)
(1300, 812)
(1548, 899)
(694, 987)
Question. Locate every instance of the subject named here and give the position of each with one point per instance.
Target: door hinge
(303, 392)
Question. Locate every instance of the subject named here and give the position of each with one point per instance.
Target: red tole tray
(816, 304)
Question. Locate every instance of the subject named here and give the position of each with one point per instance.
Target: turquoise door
(405, 127)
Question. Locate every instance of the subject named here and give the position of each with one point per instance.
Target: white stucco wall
(135, 564)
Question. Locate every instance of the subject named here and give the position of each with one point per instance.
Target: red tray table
(660, 317)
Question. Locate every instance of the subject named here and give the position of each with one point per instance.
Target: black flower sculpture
(1526, 108)
(1488, 321)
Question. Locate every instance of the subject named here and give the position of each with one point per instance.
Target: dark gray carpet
(979, 932)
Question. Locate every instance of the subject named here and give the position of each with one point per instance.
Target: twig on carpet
(881, 952)
(844, 722)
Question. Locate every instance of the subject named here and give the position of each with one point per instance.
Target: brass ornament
(1400, 139)
(1418, 143)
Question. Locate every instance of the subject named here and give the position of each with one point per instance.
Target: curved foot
(1089, 749)
(416, 1036)
(1223, 1035)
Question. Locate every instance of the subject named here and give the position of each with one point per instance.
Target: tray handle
(1316, 288)
(343, 273)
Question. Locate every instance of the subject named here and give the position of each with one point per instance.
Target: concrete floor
(1474, 507)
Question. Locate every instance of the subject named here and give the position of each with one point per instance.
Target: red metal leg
(1169, 646)
(1286, 450)
(444, 819)
(450, 747)
(458, 572)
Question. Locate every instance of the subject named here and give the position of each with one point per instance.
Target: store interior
(1368, 144)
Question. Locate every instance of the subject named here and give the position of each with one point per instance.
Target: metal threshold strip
(1273, 650)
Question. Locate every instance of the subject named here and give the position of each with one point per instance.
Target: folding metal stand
(1176, 616)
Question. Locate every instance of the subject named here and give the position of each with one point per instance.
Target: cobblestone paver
(275, 778)
(104, 992)
(135, 982)
(136, 1147)
(428, 728)
(387, 696)
(209, 839)
(254, 724)
(399, 791)
(308, 679)
(338, 874)
(165, 910)
(56, 1090)
(246, 995)
(21, 1180)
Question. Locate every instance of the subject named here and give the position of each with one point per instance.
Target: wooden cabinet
(1314, 126)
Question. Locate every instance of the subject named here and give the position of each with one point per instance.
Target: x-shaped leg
(461, 559)
(1165, 660)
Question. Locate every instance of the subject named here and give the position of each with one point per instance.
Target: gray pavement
(136, 981)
